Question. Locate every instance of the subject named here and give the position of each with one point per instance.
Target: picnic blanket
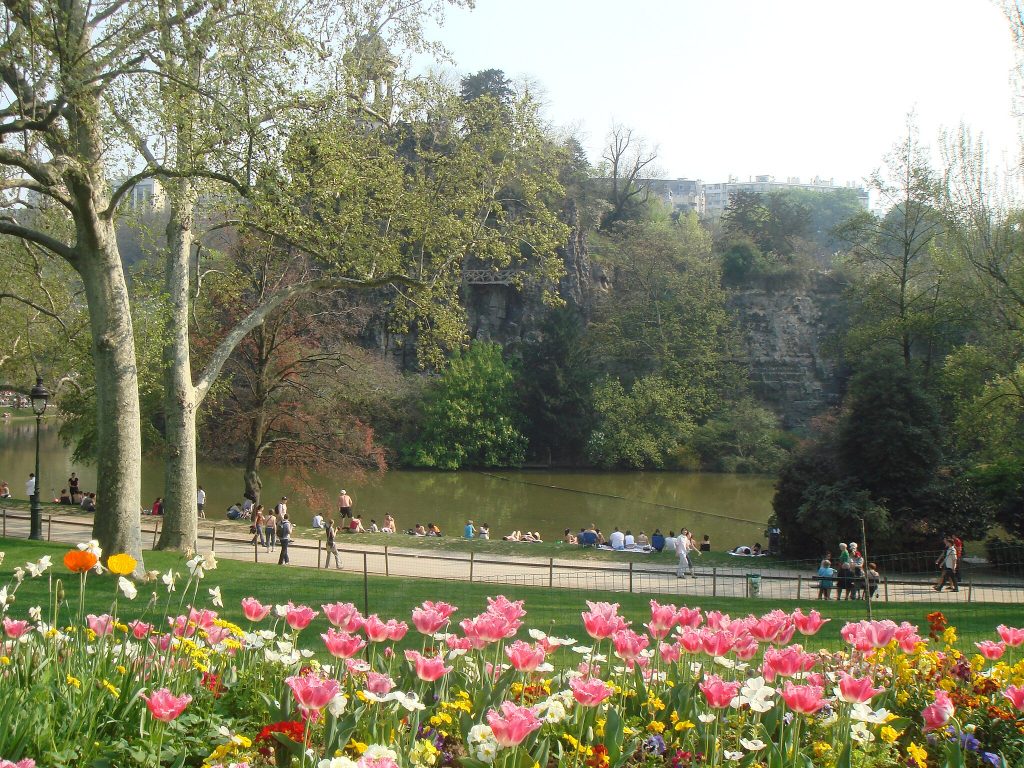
(638, 550)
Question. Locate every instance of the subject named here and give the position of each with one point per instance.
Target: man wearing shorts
(344, 504)
(201, 501)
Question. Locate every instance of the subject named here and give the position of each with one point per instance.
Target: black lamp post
(40, 396)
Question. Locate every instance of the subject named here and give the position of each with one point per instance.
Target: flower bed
(163, 679)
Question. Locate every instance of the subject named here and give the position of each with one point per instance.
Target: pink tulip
(718, 620)
(312, 693)
(165, 706)
(938, 713)
(1016, 695)
(805, 699)
(140, 629)
(1010, 635)
(202, 617)
(485, 629)
(602, 620)
(589, 691)
(254, 610)
(376, 762)
(181, 626)
(766, 629)
(215, 635)
(27, 762)
(356, 667)
(15, 628)
(161, 642)
(690, 640)
(745, 649)
(342, 645)
(718, 692)
(512, 724)
(670, 653)
(663, 618)
(689, 617)
(456, 643)
(991, 651)
(428, 669)
(856, 689)
(299, 616)
(428, 620)
(717, 642)
(378, 631)
(511, 610)
(868, 635)
(907, 637)
(379, 683)
(809, 624)
(101, 625)
(525, 657)
(344, 616)
(628, 644)
(787, 662)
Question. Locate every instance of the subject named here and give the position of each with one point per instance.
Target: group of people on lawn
(850, 579)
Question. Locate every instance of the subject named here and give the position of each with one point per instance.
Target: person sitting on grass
(484, 532)
(568, 537)
(65, 497)
(89, 502)
(642, 540)
(629, 541)
(658, 540)
(5, 490)
(433, 530)
(469, 531)
(419, 530)
(356, 525)
(532, 538)
(389, 524)
(374, 528)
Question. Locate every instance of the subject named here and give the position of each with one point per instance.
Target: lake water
(732, 509)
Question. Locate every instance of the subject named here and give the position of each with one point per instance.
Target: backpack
(282, 529)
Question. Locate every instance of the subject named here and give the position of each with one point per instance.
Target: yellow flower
(949, 636)
(684, 725)
(74, 681)
(947, 684)
(656, 726)
(821, 748)
(121, 564)
(918, 754)
(5, 660)
(111, 689)
(889, 734)
(357, 746)
(902, 697)
(599, 727)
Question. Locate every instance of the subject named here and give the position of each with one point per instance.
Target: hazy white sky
(745, 87)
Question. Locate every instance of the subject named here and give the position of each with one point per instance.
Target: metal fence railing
(782, 581)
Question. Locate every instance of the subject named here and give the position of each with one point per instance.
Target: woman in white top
(629, 542)
(670, 543)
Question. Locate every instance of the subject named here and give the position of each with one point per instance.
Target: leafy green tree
(556, 385)
(470, 418)
(648, 425)
(743, 437)
(776, 222)
(488, 82)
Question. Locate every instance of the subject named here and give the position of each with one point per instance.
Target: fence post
(156, 530)
(213, 540)
(885, 584)
(799, 585)
(714, 581)
(471, 567)
(970, 590)
(551, 572)
(630, 575)
(256, 553)
(49, 526)
(366, 588)
(5, 522)
(387, 565)
(319, 543)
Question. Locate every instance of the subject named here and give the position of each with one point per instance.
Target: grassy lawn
(554, 611)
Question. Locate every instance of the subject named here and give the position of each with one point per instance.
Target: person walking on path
(332, 545)
(256, 528)
(344, 505)
(201, 502)
(30, 485)
(947, 561)
(284, 536)
(825, 575)
(270, 531)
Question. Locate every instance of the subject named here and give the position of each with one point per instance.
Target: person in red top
(958, 544)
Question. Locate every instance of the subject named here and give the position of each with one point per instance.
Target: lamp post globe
(40, 396)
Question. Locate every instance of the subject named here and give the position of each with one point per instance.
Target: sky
(790, 88)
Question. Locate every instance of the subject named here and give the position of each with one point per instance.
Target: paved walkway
(394, 560)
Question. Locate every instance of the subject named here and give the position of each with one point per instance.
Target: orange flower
(121, 565)
(78, 561)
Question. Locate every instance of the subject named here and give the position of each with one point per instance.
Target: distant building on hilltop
(711, 199)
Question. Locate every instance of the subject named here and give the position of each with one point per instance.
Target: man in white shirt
(30, 485)
(201, 502)
(318, 520)
(617, 540)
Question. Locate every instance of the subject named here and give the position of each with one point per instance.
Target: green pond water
(732, 509)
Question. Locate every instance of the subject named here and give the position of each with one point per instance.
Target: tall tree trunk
(116, 524)
(180, 525)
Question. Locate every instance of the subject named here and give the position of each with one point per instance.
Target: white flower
(480, 733)
(863, 713)
(733, 755)
(127, 588)
(92, 546)
(306, 653)
(1, 558)
(859, 732)
(755, 693)
(336, 762)
(3, 596)
(724, 662)
(280, 611)
(168, 579)
(19, 575)
(210, 561)
(752, 744)
(554, 712)
(35, 613)
(39, 568)
(215, 597)
(707, 718)
(195, 566)
(337, 705)
(378, 751)
(284, 646)
(486, 751)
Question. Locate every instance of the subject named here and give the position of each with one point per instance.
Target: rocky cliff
(786, 334)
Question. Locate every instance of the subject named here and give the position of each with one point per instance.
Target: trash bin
(753, 585)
